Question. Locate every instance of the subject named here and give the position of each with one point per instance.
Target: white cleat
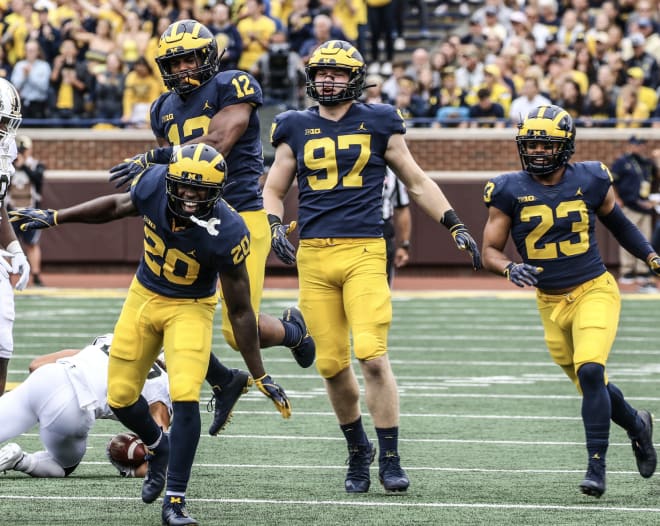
(10, 455)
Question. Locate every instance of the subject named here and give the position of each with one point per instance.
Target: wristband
(273, 220)
(450, 219)
(405, 245)
(161, 155)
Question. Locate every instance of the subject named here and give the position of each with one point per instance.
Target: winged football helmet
(337, 54)
(199, 166)
(554, 128)
(10, 111)
(184, 38)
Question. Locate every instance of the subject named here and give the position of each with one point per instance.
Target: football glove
(33, 218)
(20, 265)
(522, 274)
(124, 172)
(464, 241)
(654, 264)
(275, 393)
(5, 266)
(279, 241)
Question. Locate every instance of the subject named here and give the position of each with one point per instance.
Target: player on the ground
(65, 393)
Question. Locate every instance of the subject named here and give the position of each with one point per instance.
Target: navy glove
(279, 242)
(275, 393)
(124, 172)
(654, 264)
(33, 218)
(464, 241)
(522, 274)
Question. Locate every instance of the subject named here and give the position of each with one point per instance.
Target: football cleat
(157, 460)
(594, 480)
(305, 351)
(391, 475)
(642, 446)
(10, 455)
(225, 399)
(359, 459)
(175, 513)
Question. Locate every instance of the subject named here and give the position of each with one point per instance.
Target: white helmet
(10, 111)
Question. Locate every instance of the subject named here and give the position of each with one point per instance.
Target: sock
(388, 440)
(292, 333)
(623, 414)
(596, 409)
(136, 417)
(184, 437)
(217, 373)
(355, 434)
(40, 464)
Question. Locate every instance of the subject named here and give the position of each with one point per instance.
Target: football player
(65, 393)
(220, 109)
(12, 258)
(192, 239)
(550, 208)
(338, 152)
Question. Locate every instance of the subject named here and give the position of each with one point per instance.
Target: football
(127, 449)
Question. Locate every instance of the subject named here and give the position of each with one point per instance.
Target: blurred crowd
(95, 59)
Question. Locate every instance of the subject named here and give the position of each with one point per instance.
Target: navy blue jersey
(341, 167)
(179, 120)
(554, 226)
(184, 263)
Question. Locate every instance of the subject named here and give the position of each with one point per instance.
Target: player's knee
(185, 388)
(591, 375)
(122, 393)
(368, 346)
(329, 367)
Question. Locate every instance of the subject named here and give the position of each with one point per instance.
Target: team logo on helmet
(187, 38)
(201, 167)
(337, 54)
(552, 127)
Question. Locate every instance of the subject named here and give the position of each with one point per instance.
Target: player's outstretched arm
(100, 210)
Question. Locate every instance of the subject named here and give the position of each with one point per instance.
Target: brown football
(127, 449)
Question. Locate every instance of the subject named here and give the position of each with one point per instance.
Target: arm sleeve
(626, 233)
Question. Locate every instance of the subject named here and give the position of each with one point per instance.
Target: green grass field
(490, 429)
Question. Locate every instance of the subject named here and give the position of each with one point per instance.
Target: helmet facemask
(199, 167)
(546, 140)
(340, 55)
(10, 112)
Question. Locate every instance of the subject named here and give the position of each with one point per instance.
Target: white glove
(20, 265)
(5, 266)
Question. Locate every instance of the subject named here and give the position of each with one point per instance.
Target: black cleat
(157, 460)
(391, 474)
(175, 513)
(642, 446)
(594, 481)
(359, 460)
(225, 399)
(305, 351)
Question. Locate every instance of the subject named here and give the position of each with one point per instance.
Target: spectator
(500, 93)
(475, 34)
(132, 40)
(71, 82)
(48, 36)
(646, 95)
(161, 24)
(5, 66)
(529, 99)
(569, 29)
(25, 190)
(641, 59)
(299, 24)
(98, 44)
(599, 110)
(255, 30)
(380, 17)
(470, 74)
(570, 97)
(322, 31)
(109, 90)
(391, 85)
(31, 76)
(634, 175)
(453, 108)
(630, 111)
(280, 72)
(646, 28)
(226, 35)
(142, 87)
(486, 113)
(373, 93)
(401, 8)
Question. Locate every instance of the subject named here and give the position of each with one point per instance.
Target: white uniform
(7, 156)
(65, 398)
